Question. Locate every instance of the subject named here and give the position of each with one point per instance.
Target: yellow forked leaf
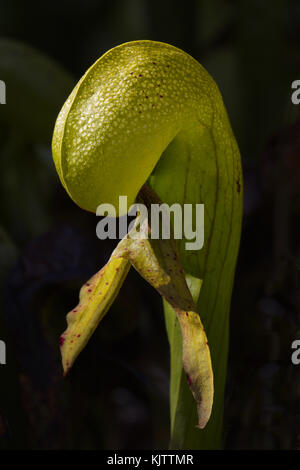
(95, 298)
(158, 263)
(196, 362)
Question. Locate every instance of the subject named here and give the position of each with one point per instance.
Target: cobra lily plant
(147, 121)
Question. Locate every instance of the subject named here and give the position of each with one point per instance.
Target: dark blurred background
(117, 393)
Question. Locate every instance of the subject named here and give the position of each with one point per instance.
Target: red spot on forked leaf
(189, 379)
